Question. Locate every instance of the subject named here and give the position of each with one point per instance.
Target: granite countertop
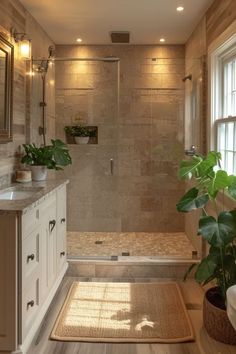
(41, 189)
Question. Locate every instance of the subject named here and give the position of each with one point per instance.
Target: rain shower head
(189, 77)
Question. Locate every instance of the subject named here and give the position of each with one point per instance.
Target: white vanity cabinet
(32, 265)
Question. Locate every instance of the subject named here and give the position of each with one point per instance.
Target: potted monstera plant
(217, 226)
(54, 156)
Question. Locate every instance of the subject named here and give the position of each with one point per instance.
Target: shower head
(189, 77)
(51, 52)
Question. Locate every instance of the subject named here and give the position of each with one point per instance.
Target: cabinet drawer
(30, 255)
(30, 304)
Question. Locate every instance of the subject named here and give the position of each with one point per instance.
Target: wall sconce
(24, 44)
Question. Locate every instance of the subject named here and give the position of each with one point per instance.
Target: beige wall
(217, 19)
(26, 91)
(145, 138)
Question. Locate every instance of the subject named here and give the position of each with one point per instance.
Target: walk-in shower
(123, 184)
(123, 190)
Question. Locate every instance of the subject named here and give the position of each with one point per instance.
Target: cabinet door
(8, 280)
(61, 227)
(48, 246)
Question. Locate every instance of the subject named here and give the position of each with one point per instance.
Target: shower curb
(158, 268)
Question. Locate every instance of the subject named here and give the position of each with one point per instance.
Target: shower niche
(92, 134)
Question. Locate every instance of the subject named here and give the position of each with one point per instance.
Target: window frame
(219, 55)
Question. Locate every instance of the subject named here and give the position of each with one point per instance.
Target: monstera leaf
(60, 153)
(188, 167)
(191, 201)
(232, 187)
(206, 270)
(218, 232)
(220, 181)
(211, 160)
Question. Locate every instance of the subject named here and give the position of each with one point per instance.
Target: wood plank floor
(192, 294)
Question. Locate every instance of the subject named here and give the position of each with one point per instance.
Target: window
(223, 86)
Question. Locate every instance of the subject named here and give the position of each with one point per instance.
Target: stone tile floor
(99, 244)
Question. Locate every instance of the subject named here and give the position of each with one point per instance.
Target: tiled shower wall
(27, 91)
(138, 107)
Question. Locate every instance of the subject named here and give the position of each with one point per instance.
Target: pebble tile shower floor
(99, 244)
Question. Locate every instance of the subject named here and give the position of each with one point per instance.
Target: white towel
(231, 304)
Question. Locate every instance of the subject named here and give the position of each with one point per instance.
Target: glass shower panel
(195, 104)
(87, 94)
(150, 146)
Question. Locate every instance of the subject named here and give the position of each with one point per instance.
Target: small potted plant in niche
(218, 227)
(53, 157)
(80, 133)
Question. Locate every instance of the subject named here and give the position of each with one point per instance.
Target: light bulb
(25, 49)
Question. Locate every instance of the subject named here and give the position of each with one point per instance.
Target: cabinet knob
(30, 257)
(52, 224)
(62, 254)
(30, 304)
(63, 220)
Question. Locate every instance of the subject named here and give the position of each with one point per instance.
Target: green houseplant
(217, 226)
(80, 133)
(54, 156)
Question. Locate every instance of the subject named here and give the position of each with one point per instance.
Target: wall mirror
(6, 80)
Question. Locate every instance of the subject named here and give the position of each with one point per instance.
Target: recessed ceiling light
(162, 40)
(180, 8)
(79, 40)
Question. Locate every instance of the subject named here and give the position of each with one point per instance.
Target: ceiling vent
(120, 37)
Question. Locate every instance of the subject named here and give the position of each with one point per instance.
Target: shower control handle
(112, 166)
(191, 151)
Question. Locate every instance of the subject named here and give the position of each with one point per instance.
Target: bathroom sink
(17, 194)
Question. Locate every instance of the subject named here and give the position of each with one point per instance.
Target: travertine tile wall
(26, 90)
(143, 133)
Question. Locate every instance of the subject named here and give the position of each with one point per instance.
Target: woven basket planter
(217, 323)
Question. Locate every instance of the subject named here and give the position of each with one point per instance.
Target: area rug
(123, 312)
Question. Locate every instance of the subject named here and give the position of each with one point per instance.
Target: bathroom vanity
(32, 258)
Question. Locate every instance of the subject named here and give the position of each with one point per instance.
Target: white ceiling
(92, 20)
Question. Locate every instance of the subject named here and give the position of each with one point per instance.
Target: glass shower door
(87, 94)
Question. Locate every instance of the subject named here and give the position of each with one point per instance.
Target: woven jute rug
(123, 312)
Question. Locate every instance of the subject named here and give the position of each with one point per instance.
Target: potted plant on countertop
(80, 133)
(217, 226)
(54, 156)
